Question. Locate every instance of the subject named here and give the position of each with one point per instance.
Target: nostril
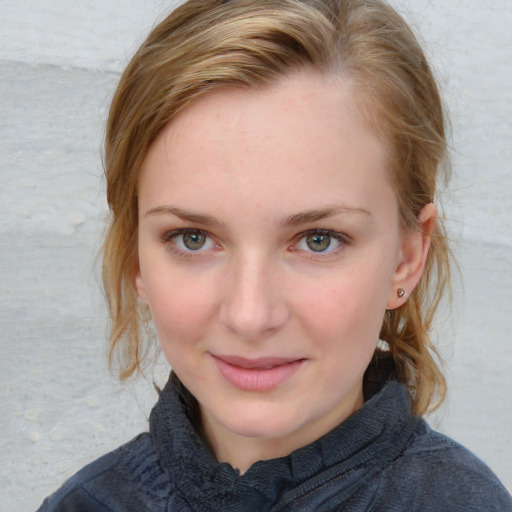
(250, 320)
(251, 306)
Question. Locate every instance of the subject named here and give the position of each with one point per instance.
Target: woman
(271, 171)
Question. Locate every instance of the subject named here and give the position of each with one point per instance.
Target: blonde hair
(206, 44)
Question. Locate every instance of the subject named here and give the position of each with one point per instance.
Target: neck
(243, 451)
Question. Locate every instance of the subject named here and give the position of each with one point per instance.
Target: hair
(207, 44)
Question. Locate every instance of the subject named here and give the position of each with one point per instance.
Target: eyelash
(168, 237)
(343, 239)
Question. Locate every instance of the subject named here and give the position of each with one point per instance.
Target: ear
(140, 287)
(414, 251)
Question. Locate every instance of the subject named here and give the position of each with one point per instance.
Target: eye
(321, 241)
(193, 241)
(318, 242)
(189, 240)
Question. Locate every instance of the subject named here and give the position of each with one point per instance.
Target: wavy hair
(207, 44)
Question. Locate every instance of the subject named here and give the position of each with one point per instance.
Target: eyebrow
(323, 213)
(292, 220)
(186, 215)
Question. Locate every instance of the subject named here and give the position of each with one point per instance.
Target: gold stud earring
(401, 293)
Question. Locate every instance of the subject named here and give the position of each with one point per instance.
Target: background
(59, 64)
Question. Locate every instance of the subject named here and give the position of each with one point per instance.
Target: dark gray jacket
(381, 459)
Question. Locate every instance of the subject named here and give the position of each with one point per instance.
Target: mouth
(261, 374)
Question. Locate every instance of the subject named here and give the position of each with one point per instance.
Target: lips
(262, 363)
(261, 374)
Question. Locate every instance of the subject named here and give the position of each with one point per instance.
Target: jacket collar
(372, 436)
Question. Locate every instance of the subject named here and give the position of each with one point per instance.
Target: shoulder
(435, 473)
(127, 479)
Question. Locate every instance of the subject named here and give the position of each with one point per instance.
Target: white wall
(59, 62)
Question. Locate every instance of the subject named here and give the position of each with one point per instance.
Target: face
(269, 248)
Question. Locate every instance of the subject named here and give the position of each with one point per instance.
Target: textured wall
(59, 62)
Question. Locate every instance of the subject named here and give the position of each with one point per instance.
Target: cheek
(180, 308)
(182, 318)
(348, 309)
(347, 313)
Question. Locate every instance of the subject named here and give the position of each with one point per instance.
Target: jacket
(382, 458)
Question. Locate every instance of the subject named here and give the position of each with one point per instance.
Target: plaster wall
(59, 63)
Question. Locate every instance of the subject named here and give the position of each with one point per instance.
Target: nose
(254, 305)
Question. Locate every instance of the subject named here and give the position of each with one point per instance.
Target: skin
(251, 171)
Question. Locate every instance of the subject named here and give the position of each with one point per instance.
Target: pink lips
(260, 374)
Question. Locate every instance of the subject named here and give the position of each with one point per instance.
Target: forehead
(297, 138)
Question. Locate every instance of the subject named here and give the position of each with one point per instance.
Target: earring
(402, 293)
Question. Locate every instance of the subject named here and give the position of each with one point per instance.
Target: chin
(262, 422)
